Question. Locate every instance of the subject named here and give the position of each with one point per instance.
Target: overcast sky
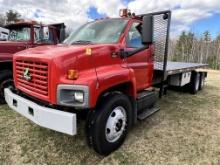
(195, 15)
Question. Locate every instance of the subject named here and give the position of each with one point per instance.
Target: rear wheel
(195, 81)
(109, 124)
(202, 81)
(6, 81)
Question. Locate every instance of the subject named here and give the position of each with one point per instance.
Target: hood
(59, 56)
(8, 48)
(11, 47)
(46, 51)
(63, 57)
(56, 51)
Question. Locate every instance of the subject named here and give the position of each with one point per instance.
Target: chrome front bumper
(45, 117)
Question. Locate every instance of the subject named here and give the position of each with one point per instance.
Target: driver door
(139, 57)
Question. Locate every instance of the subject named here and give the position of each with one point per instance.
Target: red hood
(56, 51)
(60, 55)
(8, 48)
(11, 46)
(49, 51)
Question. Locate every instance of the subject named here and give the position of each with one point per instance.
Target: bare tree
(2, 20)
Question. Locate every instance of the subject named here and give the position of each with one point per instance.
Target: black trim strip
(131, 53)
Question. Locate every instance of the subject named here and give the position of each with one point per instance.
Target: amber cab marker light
(72, 74)
(124, 12)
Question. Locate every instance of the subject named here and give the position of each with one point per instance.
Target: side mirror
(147, 29)
(122, 53)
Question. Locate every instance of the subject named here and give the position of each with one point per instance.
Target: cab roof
(22, 23)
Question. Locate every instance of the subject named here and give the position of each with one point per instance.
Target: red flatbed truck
(108, 68)
(23, 35)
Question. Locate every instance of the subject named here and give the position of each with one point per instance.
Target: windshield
(19, 34)
(104, 31)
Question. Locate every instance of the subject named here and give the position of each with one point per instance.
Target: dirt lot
(185, 131)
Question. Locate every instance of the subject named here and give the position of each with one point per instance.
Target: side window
(134, 39)
(43, 35)
(49, 36)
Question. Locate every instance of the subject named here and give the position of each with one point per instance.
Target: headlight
(79, 96)
(73, 96)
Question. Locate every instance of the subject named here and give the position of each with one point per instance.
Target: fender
(111, 77)
(6, 57)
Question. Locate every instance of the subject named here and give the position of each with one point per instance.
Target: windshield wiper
(82, 42)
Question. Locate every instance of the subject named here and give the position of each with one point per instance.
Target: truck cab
(23, 35)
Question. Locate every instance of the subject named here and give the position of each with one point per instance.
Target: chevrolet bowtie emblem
(26, 74)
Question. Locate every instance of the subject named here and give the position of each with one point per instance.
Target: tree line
(189, 48)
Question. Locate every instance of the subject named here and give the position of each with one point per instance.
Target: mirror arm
(122, 53)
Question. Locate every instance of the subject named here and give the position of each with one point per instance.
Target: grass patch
(185, 131)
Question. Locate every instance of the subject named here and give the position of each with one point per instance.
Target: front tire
(6, 81)
(108, 126)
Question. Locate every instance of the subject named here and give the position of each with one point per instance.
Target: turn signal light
(72, 74)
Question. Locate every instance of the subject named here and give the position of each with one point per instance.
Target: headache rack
(161, 32)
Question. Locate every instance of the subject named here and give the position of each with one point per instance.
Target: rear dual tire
(202, 81)
(108, 125)
(197, 82)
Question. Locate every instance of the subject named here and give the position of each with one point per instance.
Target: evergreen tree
(184, 47)
(179, 49)
(207, 36)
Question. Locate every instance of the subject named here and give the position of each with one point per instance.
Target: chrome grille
(38, 74)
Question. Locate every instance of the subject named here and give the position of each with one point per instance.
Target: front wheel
(108, 127)
(6, 81)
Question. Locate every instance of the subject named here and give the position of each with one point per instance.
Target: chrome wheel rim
(116, 124)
